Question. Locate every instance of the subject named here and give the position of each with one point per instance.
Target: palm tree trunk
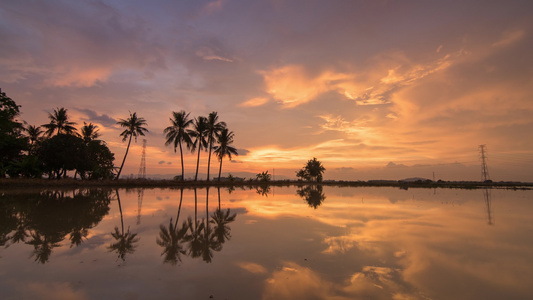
(197, 163)
(209, 160)
(179, 209)
(220, 169)
(182, 168)
(122, 165)
(120, 209)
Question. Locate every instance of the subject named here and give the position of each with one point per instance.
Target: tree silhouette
(124, 240)
(177, 133)
(213, 130)
(59, 121)
(43, 245)
(313, 195)
(221, 219)
(200, 142)
(133, 128)
(89, 132)
(170, 239)
(312, 171)
(34, 134)
(224, 148)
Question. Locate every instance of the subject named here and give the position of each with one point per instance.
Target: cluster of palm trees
(200, 133)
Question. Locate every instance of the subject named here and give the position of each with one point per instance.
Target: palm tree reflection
(170, 238)
(125, 240)
(221, 219)
(312, 194)
(43, 245)
(195, 230)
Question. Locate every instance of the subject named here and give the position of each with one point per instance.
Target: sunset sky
(373, 89)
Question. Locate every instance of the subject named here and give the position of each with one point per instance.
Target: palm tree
(213, 129)
(59, 121)
(224, 139)
(89, 132)
(177, 132)
(198, 132)
(134, 128)
(34, 134)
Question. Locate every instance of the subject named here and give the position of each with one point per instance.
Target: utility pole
(484, 168)
(142, 168)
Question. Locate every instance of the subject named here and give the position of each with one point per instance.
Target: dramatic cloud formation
(355, 84)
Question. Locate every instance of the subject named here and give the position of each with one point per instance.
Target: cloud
(207, 53)
(257, 101)
(509, 38)
(292, 85)
(93, 116)
(243, 152)
(161, 162)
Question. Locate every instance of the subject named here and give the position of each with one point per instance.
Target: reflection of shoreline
(11, 184)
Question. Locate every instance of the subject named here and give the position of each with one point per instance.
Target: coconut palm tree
(213, 129)
(224, 148)
(199, 134)
(134, 128)
(89, 132)
(59, 121)
(177, 133)
(34, 134)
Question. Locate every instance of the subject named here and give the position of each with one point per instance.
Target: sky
(383, 89)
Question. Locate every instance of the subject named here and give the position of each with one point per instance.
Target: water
(281, 243)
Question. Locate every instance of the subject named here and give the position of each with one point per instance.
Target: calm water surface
(280, 243)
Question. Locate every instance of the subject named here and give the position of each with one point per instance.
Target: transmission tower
(484, 169)
(142, 168)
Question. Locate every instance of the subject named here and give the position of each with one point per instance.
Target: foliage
(263, 176)
(224, 148)
(199, 133)
(312, 171)
(214, 128)
(178, 133)
(59, 121)
(133, 128)
(12, 142)
(62, 153)
(312, 194)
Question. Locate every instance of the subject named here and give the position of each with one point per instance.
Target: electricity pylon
(484, 168)
(142, 168)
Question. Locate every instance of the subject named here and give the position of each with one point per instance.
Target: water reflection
(396, 244)
(312, 194)
(44, 219)
(488, 202)
(172, 238)
(125, 241)
(202, 238)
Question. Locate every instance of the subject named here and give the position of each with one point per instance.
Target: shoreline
(8, 183)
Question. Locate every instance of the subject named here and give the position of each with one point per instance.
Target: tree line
(57, 147)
